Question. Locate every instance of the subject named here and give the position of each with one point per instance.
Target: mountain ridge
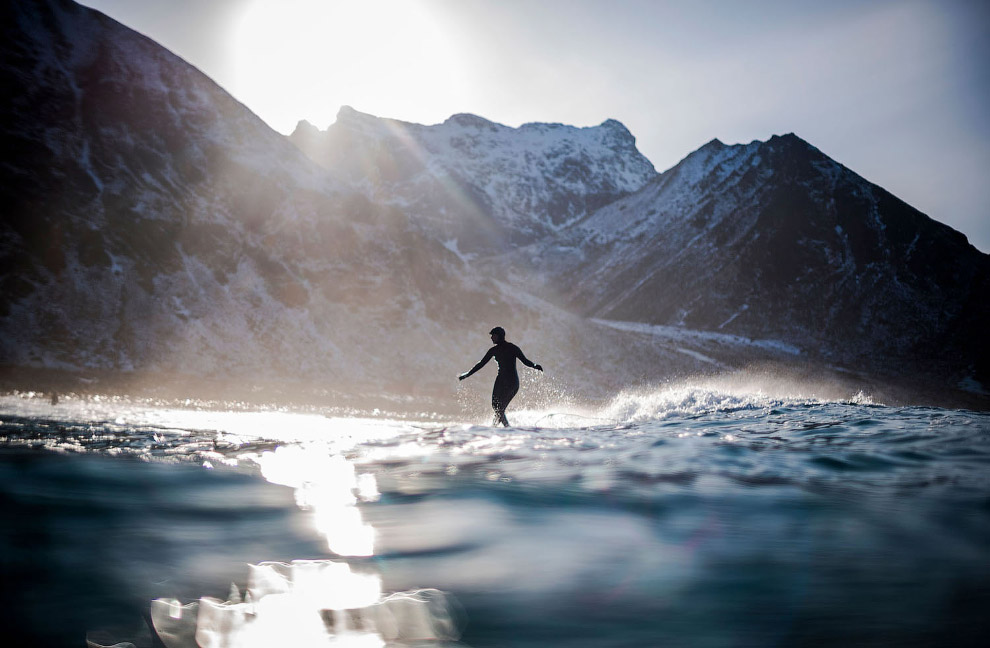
(731, 227)
(483, 184)
(166, 230)
(154, 224)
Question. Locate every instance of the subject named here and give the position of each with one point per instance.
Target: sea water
(683, 516)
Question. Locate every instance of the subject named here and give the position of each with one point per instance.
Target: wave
(688, 398)
(723, 394)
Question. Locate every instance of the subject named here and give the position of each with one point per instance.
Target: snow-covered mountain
(778, 240)
(152, 224)
(480, 185)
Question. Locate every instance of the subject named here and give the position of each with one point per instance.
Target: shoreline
(378, 400)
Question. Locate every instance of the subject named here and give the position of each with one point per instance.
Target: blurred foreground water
(689, 516)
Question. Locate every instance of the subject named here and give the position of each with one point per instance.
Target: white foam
(724, 393)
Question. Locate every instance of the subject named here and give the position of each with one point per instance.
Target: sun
(303, 59)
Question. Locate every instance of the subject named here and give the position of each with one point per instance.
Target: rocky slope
(137, 196)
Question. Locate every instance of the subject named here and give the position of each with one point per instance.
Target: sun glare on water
(303, 59)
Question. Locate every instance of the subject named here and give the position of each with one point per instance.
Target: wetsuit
(507, 381)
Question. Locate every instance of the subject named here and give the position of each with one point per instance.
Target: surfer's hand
(462, 376)
(538, 367)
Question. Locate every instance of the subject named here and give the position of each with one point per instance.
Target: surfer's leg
(503, 393)
(501, 411)
(498, 407)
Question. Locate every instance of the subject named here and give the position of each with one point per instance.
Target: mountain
(482, 186)
(151, 222)
(136, 195)
(154, 225)
(776, 239)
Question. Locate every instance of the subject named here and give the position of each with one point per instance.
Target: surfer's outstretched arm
(526, 361)
(484, 361)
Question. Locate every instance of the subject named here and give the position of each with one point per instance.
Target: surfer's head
(498, 334)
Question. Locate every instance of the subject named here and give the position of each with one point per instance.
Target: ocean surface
(689, 515)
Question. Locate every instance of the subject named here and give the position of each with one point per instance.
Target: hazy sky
(897, 90)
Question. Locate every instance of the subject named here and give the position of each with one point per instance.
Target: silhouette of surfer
(507, 381)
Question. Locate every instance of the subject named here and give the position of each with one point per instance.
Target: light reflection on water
(323, 602)
(310, 603)
(305, 603)
(329, 486)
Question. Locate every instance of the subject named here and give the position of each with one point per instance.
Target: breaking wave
(719, 395)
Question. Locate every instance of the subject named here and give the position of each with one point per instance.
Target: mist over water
(740, 511)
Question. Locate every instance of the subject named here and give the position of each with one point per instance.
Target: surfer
(507, 381)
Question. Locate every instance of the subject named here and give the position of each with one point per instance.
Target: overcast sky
(897, 90)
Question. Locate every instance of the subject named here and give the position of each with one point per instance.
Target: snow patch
(452, 246)
(698, 356)
(690, 335)
(742, 309)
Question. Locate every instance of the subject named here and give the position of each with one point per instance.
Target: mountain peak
(789, 141)
(305, 128)
(618, 131)
(347, 114)
(468, 120)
